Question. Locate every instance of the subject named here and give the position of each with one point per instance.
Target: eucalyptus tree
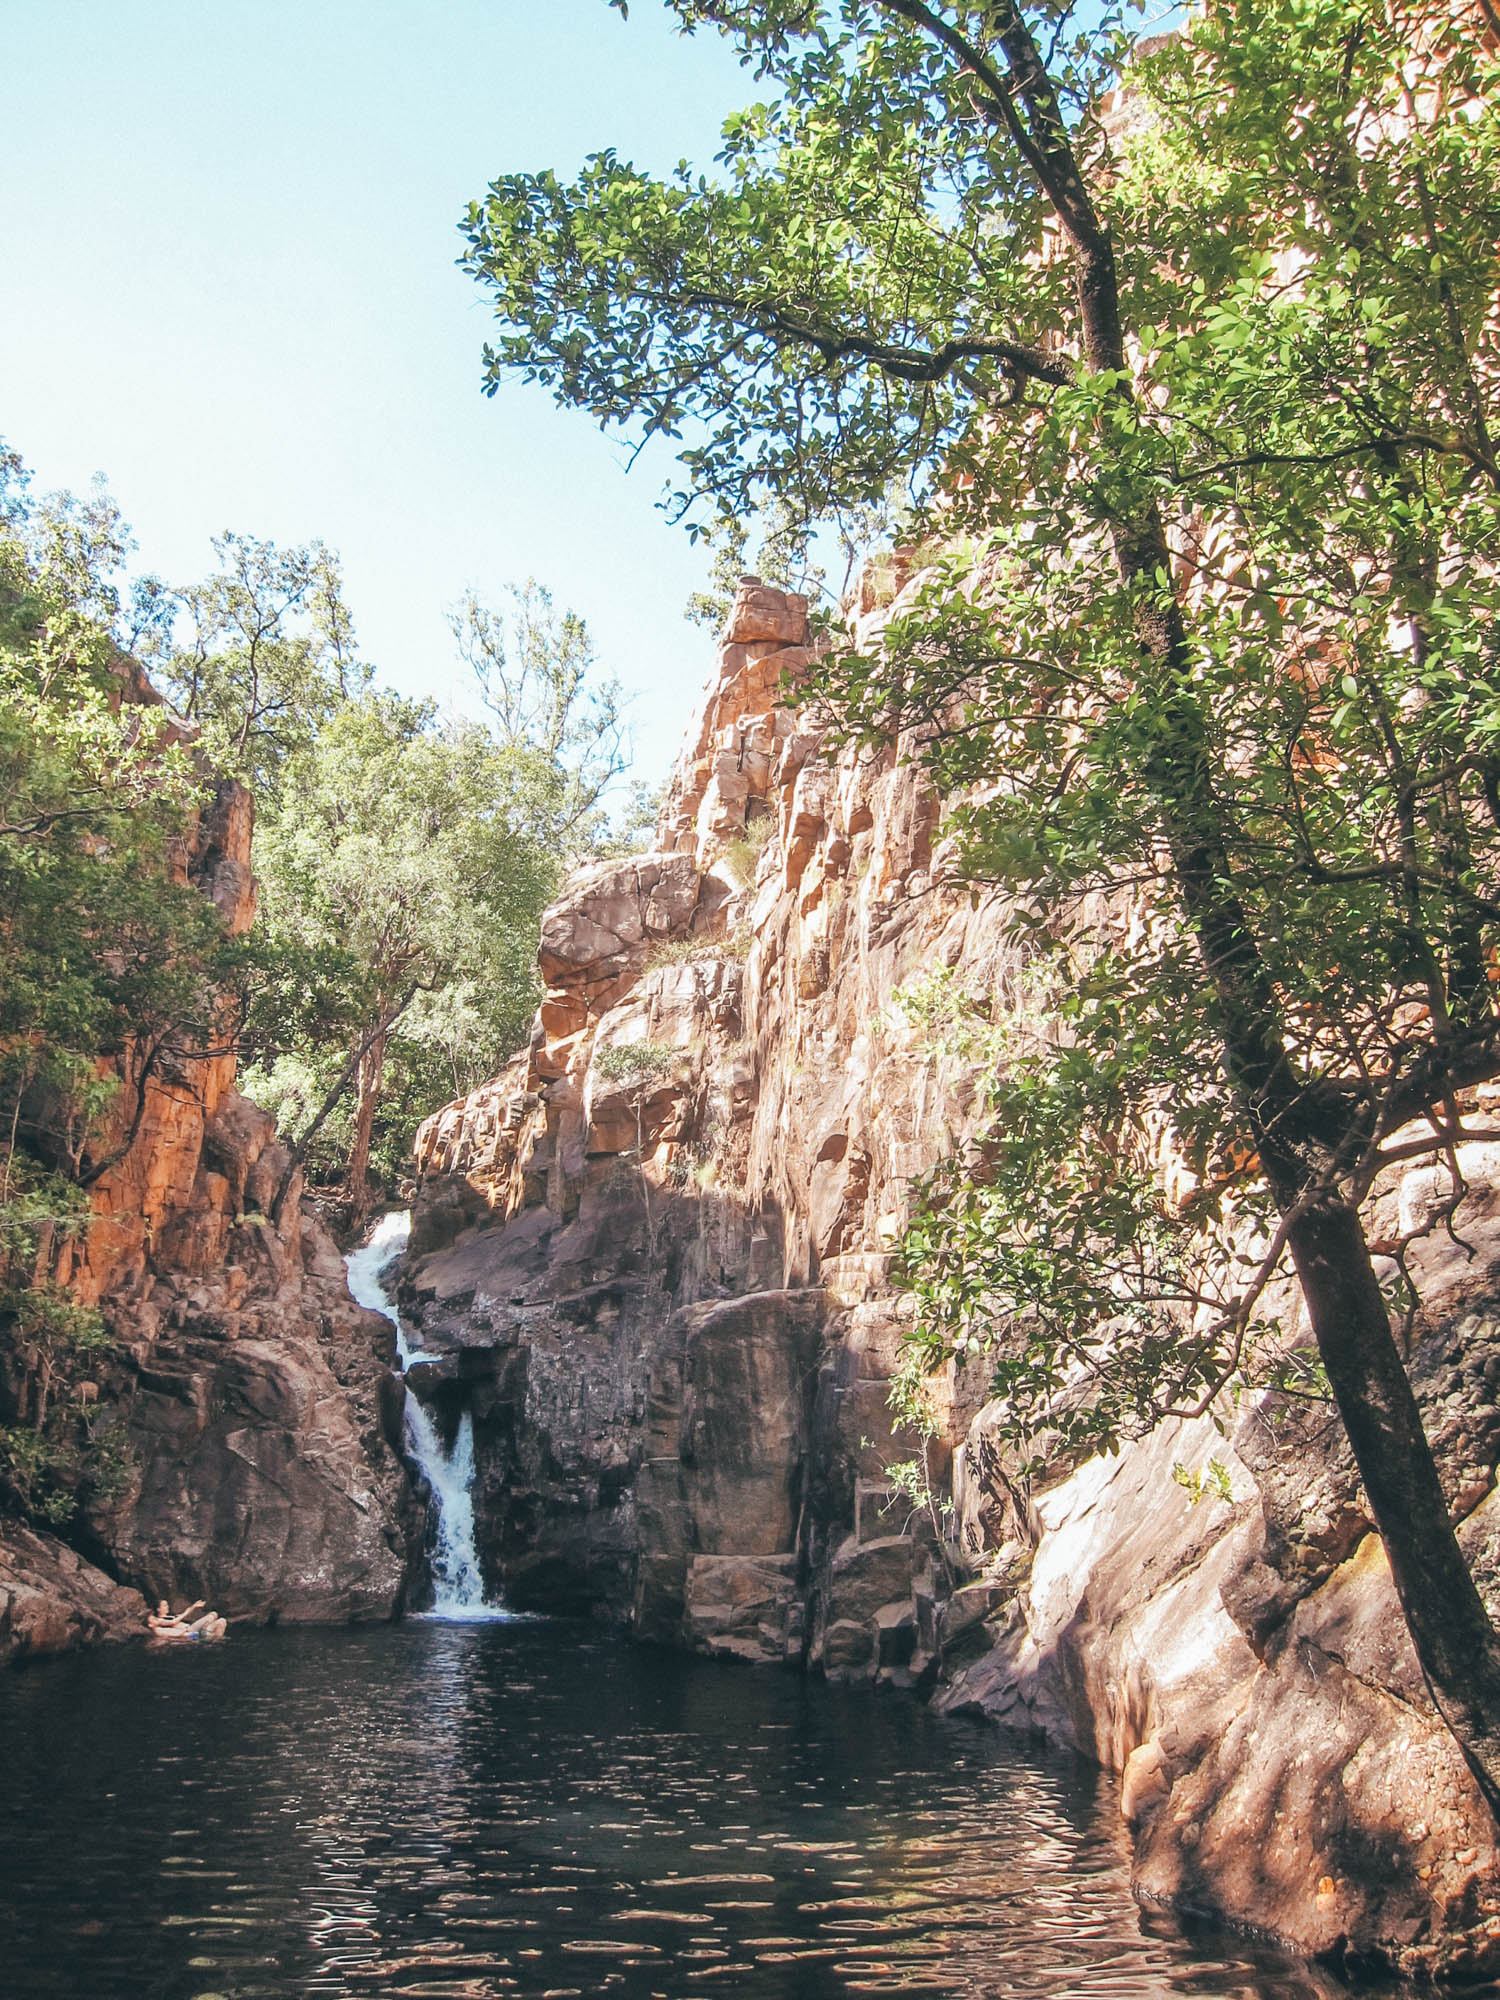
(258, 654)
(1200, 384)
(400, 860)
(559, 723)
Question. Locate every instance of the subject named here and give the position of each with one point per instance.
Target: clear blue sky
(227, 232)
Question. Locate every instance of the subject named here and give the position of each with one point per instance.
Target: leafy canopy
(106, 952)
(111, 967)
(559, 726)
(259, 654)
(402, 861)
(819, 318)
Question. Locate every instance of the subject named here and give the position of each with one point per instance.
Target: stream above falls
(462, 1811)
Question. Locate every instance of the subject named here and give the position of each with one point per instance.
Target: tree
(371, 1000)
(112, 970)
(1209, 383)
(782, 557)
(561, 727)
(259, 654)
(400, 858)
(105, 954)
(405, 864)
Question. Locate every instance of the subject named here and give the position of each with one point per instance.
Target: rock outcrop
(260, 1408)
(253, 1401)
(657, 1253)
(51, 1600)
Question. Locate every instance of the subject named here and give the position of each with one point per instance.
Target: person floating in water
(196, 1622)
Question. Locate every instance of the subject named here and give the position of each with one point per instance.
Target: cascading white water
(457, 1586)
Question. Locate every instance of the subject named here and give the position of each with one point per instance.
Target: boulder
(51, 1600)
(846, 1648)
(258, 1488)
(864, 1576)
(742, 1606)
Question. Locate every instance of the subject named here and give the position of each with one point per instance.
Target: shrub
(635, 1063)
(682, 951)
(743, 853)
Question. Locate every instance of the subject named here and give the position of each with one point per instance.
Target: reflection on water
(455, 1812)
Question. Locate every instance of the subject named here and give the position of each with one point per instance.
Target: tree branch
(298, 1152)
(907, 364)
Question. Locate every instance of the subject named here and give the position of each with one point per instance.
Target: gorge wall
(654, 1257)
(253, 1399)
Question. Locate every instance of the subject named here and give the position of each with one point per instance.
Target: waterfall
(449, 1470)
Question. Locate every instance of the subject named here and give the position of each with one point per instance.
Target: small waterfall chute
(458, 1588)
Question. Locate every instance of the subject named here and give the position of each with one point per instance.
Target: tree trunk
(370, 1074)
(1454, 1638)
(1450, 1628)
(298, 1153)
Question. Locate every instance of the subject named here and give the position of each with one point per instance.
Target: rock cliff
(654, 1255)
(253, 1398)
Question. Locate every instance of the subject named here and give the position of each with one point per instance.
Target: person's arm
(197, 1605)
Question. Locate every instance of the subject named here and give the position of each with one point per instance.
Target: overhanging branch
(907, 364)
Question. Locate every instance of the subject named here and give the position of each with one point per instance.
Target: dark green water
(457, 1812)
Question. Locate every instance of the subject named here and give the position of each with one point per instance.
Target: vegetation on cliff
(1201, 388)
(403, 859)
(112, 970)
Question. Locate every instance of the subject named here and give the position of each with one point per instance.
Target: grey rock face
(257, 1489)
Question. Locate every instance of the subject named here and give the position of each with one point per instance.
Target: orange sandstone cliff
(254, 1399)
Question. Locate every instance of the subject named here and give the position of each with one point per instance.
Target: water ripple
(470, 1812)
